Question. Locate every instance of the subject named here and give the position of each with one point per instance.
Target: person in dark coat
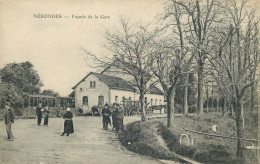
(114, 116)
(120, 118)
(39, 114)
(106, 119)
(9, 119)
(68, 123)
(46, 112)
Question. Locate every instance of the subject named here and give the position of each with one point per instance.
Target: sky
(53, 45)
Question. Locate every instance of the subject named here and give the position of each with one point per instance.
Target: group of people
(67, 124)
(42, 112)
(117, 111)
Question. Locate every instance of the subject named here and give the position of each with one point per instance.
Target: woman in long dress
(68, 123)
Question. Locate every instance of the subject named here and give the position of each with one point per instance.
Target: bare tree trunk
(223, 106)
(252, 103)
(143, 118)
(217, 104)
(200, 88)
(242, 115)
(212, 100)
(231, 110)
(207, 94)
(240, 130)
(169, 114)
(185, 97)
(170, 107)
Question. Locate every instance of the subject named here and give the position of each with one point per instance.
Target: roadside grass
(206, 149)
(139, 137)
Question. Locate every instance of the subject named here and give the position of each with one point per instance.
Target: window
(155, 101)
(31, 101)
(151, 102)
(130, 98)
(116, 99)
(92, 84)
(101, 100)
(81, 89)
(85, 100)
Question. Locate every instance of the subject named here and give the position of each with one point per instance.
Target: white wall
(135, 97)
(154, 97)
(121, 94)
(109, 94)
(92, 93)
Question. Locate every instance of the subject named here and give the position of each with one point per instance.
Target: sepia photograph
(129, 82)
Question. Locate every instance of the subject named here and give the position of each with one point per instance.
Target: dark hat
(106, 104)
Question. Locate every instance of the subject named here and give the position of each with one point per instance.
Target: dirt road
(89, 144)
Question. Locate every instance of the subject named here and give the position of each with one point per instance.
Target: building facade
(99, 89)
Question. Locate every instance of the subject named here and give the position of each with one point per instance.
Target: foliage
(72, 94)
(22, 76)
(50, 92)
(192, 91)
(11, 94)
(16, 79)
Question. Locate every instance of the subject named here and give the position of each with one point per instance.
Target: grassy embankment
(142, 137)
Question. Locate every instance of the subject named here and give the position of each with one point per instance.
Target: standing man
(46, 112)
(120, 117)
(39, 114)
(9, 119)
(106, 119)
(114, 116)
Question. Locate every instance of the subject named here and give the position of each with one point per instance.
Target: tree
(235, 59)
(17, 79)
(201, 16)
(168, 65)
(11, 94)
(50, 92)
(191, 91)
(172, 56)
(131, 48)
(72, 94)
(22, 76)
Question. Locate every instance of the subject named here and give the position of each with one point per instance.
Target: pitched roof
(111, 81)
(155, 90)
(118, 83)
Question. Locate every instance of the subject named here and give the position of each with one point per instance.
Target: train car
(57, 104)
